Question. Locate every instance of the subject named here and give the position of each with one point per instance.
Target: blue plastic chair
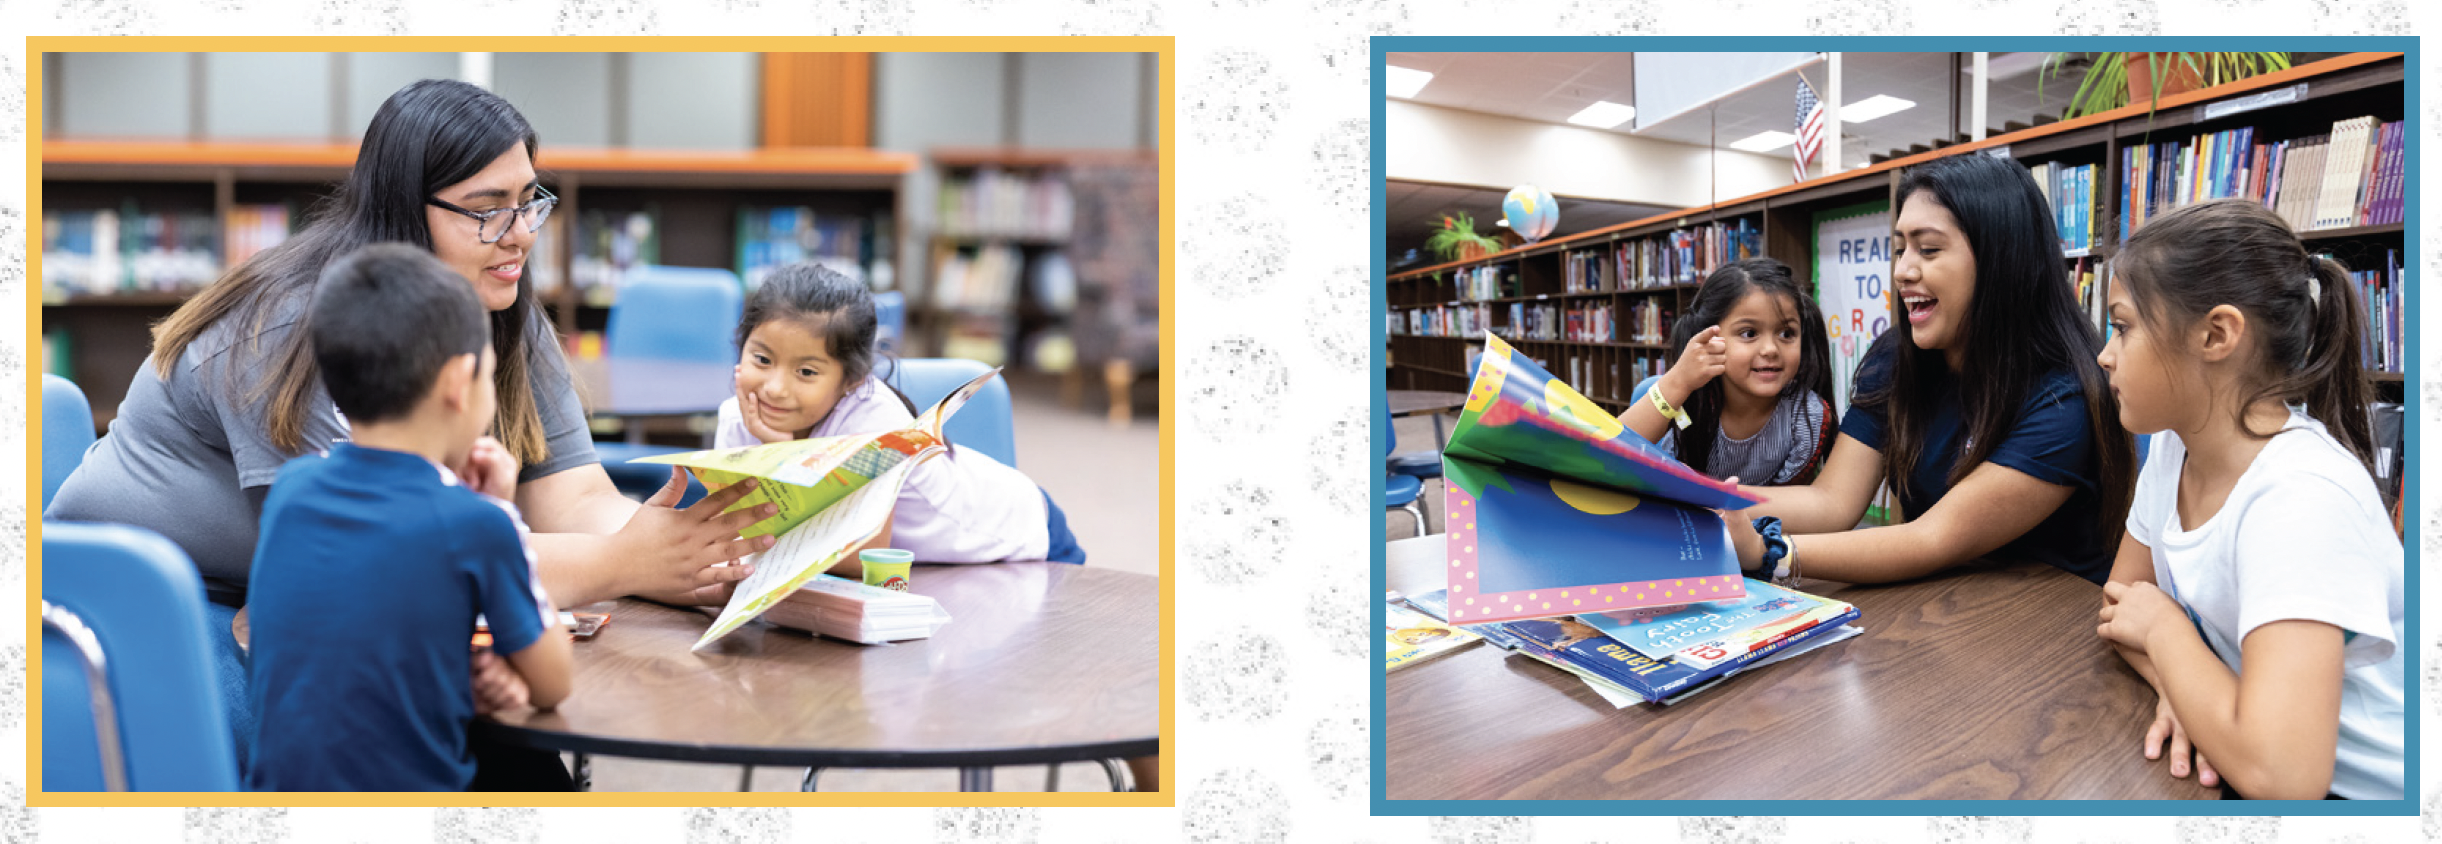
(129, 698)
(1638, 394)
(1399, 492)
(890, 320)
(668, 313)
(67, 430)
(985, 424)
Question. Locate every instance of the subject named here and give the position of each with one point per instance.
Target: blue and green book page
(1575, 642)
(1556, 508)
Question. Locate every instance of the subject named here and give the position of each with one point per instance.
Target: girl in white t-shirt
(806, 369)
(2257, 588)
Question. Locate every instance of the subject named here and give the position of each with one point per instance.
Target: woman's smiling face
(1935, 274)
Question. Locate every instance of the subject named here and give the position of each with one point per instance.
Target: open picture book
(834, 494)
(1555, 508)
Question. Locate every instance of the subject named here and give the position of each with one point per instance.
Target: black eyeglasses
(490, 226)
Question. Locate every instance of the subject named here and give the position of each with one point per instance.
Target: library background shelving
(1005, 278)
(695, 199)
(1429, 306)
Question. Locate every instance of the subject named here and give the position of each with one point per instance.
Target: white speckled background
(1270, 431)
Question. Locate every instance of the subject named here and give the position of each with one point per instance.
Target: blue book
(1658, 632)
(1575, 643)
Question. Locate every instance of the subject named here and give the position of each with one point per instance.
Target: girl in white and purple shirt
(806, 369)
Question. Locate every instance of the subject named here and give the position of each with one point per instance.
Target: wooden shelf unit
(697, 193)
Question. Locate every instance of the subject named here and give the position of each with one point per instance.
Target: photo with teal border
(1634, 283)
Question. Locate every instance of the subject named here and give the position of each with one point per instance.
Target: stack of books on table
(1410, 637)
(846, 609)
(1576, 543)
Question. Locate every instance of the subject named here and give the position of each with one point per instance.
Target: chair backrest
(67, 430)
(984, 424)
(890, 320)
(676, 313)
(140, 604)
(1390, 427)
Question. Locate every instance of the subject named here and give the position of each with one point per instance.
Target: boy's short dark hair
(385, 319)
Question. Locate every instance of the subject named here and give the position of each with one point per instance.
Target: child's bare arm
(547, 666)
(2273, 729)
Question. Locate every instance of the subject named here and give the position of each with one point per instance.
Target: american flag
(1810, 129)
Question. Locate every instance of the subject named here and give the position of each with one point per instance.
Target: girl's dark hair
(2022, 324)
(831, 305)
(428, 136)
(2238, 253)
(1715, 299)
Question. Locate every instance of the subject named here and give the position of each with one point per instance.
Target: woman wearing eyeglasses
(231, 390)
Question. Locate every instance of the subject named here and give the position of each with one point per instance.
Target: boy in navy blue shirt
(376, 558)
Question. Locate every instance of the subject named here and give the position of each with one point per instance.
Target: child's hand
(490, 469)
(1704, 359)
(2133, 611)
(2166, 726)
(498, 688)
(747, 405)
(1743, 537)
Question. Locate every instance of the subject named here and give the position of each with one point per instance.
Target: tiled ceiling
(1548, 87)
(1414, 209)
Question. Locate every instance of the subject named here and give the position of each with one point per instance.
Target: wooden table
(1412, 402)
(1984, 683)
(638, 388)
(1042, 663)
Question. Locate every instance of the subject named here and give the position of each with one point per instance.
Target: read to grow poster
(1853, 285)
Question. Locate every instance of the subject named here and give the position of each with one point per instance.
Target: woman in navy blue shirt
(1982, 410)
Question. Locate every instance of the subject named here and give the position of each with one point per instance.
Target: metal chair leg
(584, 773)
(809, 783)
(746, 778)
(975, 779)
(1119, 775)
(1417, 511)
(1051, 777)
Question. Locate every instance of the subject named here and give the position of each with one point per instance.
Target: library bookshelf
(1595, 308)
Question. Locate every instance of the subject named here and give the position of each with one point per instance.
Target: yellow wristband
(1675, 415)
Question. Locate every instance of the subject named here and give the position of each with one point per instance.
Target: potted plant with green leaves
(2118, 79)
(1457, 240)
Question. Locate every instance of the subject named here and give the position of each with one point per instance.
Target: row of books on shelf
(1491, 281)
(2070, 191)
(998, 203)
(2381, 293)
(107, 251)
(987, 277)
(1684, 256)
(774, 237)
(1446, 321)
(2354, 175)
(1590, 324)
(2091, 278)
(1658, 655)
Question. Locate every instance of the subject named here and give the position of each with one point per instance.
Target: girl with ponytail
(2255, 587)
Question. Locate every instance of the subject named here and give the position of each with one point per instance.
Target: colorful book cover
(1570, 640)
(1555, 507)
(1659, 632)
(1437, 604)
(1410, 637)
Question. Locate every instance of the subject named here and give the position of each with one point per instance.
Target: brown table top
(1412, 402)
(616, 386)
(1984, 683)
(1041, 662)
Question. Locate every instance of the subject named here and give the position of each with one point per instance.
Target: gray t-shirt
(191, 457)
(1775, 455)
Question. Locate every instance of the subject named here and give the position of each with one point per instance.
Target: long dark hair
(2022, 324)
(1715, 299)
(428, 136)
(2238, 253)
(830, 305)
